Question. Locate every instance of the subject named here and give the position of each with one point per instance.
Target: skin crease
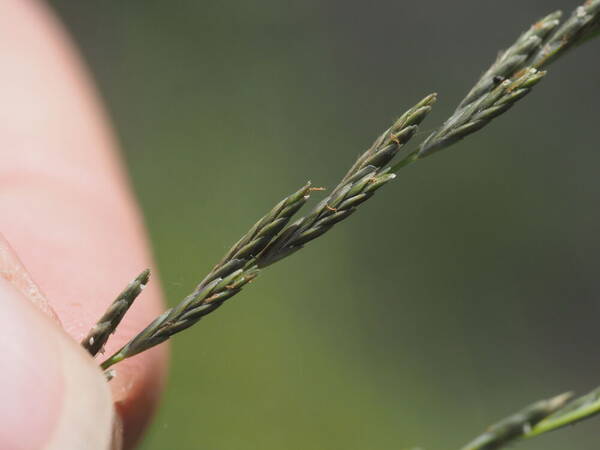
(74, 237)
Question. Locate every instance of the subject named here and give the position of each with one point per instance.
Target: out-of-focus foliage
(411, 326)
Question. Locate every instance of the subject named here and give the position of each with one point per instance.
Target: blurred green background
(463, 291)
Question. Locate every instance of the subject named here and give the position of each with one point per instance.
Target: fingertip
(67, 208)
(53, 395)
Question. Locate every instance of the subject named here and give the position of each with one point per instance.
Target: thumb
(53, 394)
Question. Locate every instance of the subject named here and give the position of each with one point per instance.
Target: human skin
(72, 239)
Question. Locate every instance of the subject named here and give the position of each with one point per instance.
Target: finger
(53, 395)
(66, 207)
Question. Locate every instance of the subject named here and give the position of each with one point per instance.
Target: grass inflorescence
(274, 237)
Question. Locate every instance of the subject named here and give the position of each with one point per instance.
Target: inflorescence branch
(510, 78)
